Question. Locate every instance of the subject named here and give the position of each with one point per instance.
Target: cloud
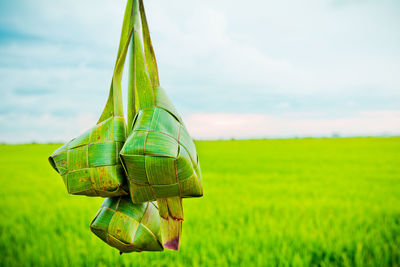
(276, 49)
(230, 125)
(329, 58)
(58, 128)
(43, 127)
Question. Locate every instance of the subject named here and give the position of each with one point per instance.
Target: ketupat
(89, 164)
(128, 227)
(120, 223)
(159, 156)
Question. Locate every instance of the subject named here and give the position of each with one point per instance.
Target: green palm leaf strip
(89, 164)
(159, 156)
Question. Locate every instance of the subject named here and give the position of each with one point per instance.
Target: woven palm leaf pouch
(159, 156)
(128, 227)
(89, 164)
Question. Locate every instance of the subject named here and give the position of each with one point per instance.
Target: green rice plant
(159, 156)
(299, 202)
(89, 164)
(127, 226)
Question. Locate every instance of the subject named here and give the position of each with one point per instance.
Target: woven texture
(128, 227)
(90, 164)
(159, 156)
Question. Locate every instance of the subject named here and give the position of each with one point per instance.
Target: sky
(233, 69)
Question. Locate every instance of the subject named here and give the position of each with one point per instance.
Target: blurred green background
(292, 202)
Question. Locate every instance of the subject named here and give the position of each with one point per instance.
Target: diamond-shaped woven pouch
(159, 156)
(89, 164)
(128, 227)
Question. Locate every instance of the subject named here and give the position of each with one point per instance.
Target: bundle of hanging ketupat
(158, 161)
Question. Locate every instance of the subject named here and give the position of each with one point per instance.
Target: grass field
(295, 202)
